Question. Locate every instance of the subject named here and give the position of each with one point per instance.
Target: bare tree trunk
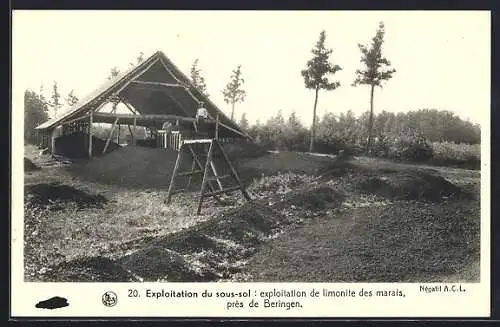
(232, 112)
(313, 127)
(370, 121)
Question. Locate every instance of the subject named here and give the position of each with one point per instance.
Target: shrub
(459, 152)
(410, 148)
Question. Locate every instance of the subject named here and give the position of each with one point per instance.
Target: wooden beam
(193, 167)
(232, 129)
(157, 83)
(135, 131)
(137, 75)
(217, 127)
(197, 141)
(190, 173)
(91, 119)
(192, 95)
(172, 179)
(144, 117)
(110, 136)
(227, 190)
(169, 71)
(75, 119)
(233, 171)
(205, 175)
(129, 106)
(118, 135)
(131, 133)
(216, 175)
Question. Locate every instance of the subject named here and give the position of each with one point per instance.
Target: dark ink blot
(53, 303)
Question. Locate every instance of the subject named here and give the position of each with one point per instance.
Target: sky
(442, 59)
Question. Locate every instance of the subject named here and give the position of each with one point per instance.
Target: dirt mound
(278, 184)
(133, 167)
(403, 242)
(157, 263)
(246, 225)
(76, 145)
(243, 149)
(410, 185)
(274, 163)
(57, 195)
(190, 242)
(317, 198)
(29, 165)
(94, 269)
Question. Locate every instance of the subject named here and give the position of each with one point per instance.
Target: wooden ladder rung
(178, 191)
(214, 178)
(197, 141)
(229, 189)
(189, 173)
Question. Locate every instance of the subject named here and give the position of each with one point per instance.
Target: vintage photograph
(286, 146)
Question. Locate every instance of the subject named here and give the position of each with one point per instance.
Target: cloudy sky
(442, 58)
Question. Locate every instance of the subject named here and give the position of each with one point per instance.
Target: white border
(85, 298)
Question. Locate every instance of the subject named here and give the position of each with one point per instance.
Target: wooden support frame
(110, 135)
(208, 166)
(196, 164)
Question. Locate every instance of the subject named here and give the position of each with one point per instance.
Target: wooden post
(214, 171)
(53, 141)
(193, 168)
(91, 118)
(110, 136)
(135, 131)
(205, 173)
(217, 127)
(118, 135)
(174, 174)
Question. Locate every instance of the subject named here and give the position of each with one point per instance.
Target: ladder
(198, 168)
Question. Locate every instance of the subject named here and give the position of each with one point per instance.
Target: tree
(139, 59)
(234, 93)
(42, 95)
(374, 72)
(55, 99)
(244, 122)
(115, 71)
(197, 79)
(35, 112)
(316, 76)
(71, 99)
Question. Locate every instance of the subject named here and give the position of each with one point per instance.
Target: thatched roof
(155, 88)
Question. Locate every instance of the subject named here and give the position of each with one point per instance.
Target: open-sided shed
(154, 92)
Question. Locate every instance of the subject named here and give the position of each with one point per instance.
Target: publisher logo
(109, 299)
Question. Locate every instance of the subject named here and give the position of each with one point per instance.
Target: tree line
(410, 136)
